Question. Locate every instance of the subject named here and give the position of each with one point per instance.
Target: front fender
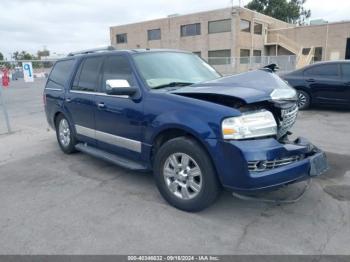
(186, 122)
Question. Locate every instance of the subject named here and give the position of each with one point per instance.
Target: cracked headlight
(284, 94)
(248, 125)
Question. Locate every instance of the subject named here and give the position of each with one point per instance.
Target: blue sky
(67, 25)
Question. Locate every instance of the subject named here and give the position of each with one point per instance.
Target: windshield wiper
(173, 84)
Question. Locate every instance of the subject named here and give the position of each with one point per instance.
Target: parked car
(324, 83)
(171, 112)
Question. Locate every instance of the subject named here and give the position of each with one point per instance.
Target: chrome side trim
(85, 131)
(53, 89)
(95, 93)
(123, 142)
(119, 141)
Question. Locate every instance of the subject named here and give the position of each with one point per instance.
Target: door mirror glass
(119, 87)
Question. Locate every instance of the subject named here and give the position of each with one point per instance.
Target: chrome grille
(263, 165)
(288, 116)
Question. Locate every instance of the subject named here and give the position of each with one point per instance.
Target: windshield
(163, 69)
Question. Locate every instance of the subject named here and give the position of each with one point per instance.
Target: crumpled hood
(253, 86)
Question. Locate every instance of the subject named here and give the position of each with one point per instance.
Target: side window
(87, 75)
(117, 67)
(346, 71)
(327, 71)
(61, 72)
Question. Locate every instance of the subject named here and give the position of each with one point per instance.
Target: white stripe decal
(109, 138)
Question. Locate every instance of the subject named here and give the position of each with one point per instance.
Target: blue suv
(170, 112)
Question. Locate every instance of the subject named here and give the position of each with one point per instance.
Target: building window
(219, 57)
(244, 56)
(153, 34)
(190, 30)
(257, 56)
(258, 28)
(198, 53)
(245, 26)
(318, 54)
(122, 38)
(219, 26)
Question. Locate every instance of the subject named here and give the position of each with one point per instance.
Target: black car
(324, 83)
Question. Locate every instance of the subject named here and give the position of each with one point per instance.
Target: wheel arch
(174, 132)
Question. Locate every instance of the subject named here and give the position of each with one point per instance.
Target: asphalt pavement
(52, 203)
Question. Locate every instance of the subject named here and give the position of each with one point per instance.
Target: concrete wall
(331, 37)
(170, 32)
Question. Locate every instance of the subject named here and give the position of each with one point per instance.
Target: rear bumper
(231, 160)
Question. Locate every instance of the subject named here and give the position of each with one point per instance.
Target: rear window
(61, 71)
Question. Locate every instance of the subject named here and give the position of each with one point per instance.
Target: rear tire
(185, 175)
(303, 100)
(64, 134)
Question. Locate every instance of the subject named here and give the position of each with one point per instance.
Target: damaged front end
(258, 139)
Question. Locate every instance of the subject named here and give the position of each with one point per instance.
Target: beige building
(237, 38)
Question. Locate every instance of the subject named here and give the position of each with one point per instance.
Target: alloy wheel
(182, 176)
(64, 132)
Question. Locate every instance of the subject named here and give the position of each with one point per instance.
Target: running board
(117, 160)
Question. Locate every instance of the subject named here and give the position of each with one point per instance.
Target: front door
(325, 83)
(119, 118)
(80, 100)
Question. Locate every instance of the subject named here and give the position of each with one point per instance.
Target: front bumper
(231, 159)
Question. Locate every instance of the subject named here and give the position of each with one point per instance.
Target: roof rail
(90, 51)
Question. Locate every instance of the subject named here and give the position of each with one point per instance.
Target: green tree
(290, 11)
(1, 57)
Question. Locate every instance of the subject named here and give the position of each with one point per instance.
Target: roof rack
(90, 51)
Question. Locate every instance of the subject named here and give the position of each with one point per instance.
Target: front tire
(303, 100)
(65, 136)
(185, 175)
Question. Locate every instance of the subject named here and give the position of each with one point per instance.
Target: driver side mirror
(119, 87)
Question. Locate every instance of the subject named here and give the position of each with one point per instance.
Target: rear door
(345, 68)
(80, 100)
(325, 83)
(119, 118)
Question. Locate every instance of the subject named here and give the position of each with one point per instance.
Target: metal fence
(235, 65)
(225, 65)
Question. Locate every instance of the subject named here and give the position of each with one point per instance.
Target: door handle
(101, 105)
(310, 80)
(68, 100)
(347, 83)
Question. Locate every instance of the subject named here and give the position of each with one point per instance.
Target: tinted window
(122, 38)
(257, 56)
(258, 28)
(88, 77)
(330, 70)
(117, 67)
(219, 26)
(192, 29)
(153, 34)
(219, 57)
(346, 71)
(244, 56)
(245, 26)
(61, 71)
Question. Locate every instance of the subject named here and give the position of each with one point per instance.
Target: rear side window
(346, 71)
(117, 67)
(61, 72)
(87, 75)
(331, 70)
